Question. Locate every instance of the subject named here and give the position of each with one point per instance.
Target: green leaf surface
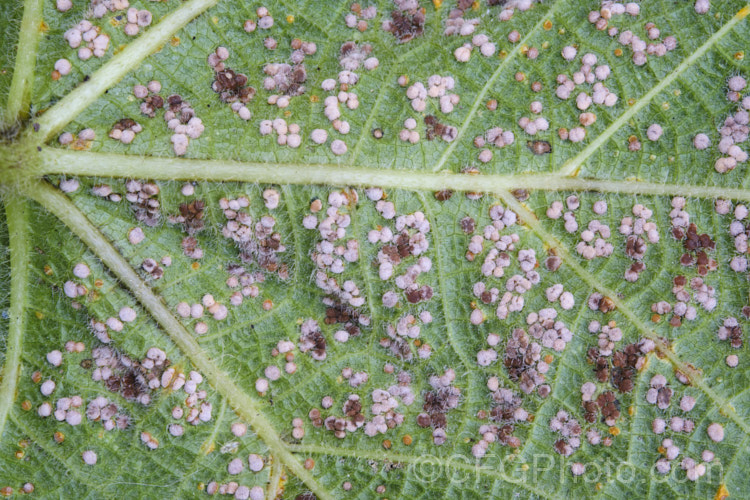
(428, 312)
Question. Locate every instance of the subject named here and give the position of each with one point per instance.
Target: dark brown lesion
(191, 216)
(603, 304)
(406, 24)
(503, 413)
(397, 345)
(124, 124)
(433, 129)
(312, 340)
(144, 202)
(232, 86)
(468, 225)
(520, 360)
(443, 195)
(151, 104)
(437, 403)
(696, 247)
(339, 313)
(620, 372)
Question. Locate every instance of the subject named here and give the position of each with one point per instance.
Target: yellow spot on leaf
(437, 3)
(48, 270)
(726, 410)
(39, 315)
(645, 364)
(80, 145)
(290, 19)
(175, 41)
(721, 493)
(195, 266)
(615, 431)
(215, 20)
(282, 485)
(739, 55)
(744, 11)
(208, 447)
(547, 25)
(43, 27)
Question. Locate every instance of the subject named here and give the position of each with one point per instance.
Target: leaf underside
(241, 220)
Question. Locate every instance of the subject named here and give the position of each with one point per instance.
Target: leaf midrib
(56, 161)
(17, 220)
(19, 94)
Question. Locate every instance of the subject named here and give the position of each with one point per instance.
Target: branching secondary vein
(688, 370)
(112, 72)
(574, 164)
(243, 403)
